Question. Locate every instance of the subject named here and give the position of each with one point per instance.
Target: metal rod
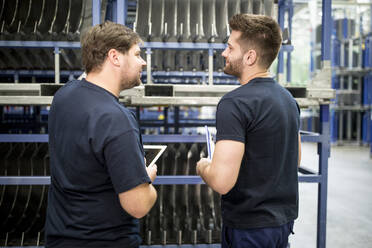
(38, 239)
(148, 66)
(341, 127)
(179, 237)
(149, 237)
(351, 57)
(121, 10)
(22, 238)
(164, 237)
(280, 67)
(160, 180)
(358, 132)
(152, 45)
(56, 66)
(342, 54)
(194, 236)
(16, 78)
(326, 29)
(324, 153)
(349, 125)
(96, 12)
(171, 138)
(210, 66)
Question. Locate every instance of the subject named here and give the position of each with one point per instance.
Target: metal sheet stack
(183, 214)
(23, 207)
(190, 21)
(156, 20)
(43, 20)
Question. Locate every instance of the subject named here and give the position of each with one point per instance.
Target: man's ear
(113, 57)
(250, 57)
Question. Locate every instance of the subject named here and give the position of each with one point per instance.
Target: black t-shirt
(265, 117)
(96, 153)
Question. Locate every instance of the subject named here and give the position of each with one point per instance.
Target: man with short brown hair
(100, 185)
(254, 165)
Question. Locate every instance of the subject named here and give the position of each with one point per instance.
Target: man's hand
(151, 171)
(201, 165)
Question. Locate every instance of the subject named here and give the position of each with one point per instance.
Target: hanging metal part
(183, 21)
(209, 20)
(222, 22)
(196, 21)
(44, 20)
(247, 6)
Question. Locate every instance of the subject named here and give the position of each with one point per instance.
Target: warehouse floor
(349, 212)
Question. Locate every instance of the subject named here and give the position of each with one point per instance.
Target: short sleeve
(299, 113)
(125, 161)
(230, 121)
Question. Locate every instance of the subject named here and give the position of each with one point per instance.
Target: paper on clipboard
(210, 143)
(153, 153)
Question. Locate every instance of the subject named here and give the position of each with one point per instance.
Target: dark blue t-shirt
(96, 152)
(265, 117)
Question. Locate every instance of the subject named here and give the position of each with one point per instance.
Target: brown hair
(259, 32)
(98, 40)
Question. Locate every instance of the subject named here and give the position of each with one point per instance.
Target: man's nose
(224, 53)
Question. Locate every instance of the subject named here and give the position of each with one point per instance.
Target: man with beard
(254, 165)
(100, 185)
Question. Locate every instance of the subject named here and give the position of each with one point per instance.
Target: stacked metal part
(156, 20)
(183, 214)
(23, 207)
(190, 21)
(346, 112)
(43, 20)
(345, 29)
(348, 82)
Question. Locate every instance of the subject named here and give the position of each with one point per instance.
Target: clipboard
(153, 153)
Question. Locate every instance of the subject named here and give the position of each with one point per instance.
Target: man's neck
(248, 75)
(104, 80)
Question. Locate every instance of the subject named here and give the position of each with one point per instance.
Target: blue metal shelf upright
(285, 6)
(367, 89)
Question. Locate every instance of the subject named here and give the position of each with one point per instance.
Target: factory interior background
(325, 62)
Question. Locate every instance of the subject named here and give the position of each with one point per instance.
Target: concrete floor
(349, 211)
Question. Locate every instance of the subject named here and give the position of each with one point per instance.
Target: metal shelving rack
(322, 138)
(306, 176)
(349, 72)
(350, 114)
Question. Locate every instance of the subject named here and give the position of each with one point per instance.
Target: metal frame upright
(285, 7)
(370, 83)
(367, 92)
(324, 143)
(367, 88)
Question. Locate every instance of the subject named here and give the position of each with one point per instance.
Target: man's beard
(234, 68)
(132, 83)
(136, 82)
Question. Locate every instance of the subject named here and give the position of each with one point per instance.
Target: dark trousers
(268, 237)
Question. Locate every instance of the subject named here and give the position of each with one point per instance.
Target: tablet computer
(153, 153)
